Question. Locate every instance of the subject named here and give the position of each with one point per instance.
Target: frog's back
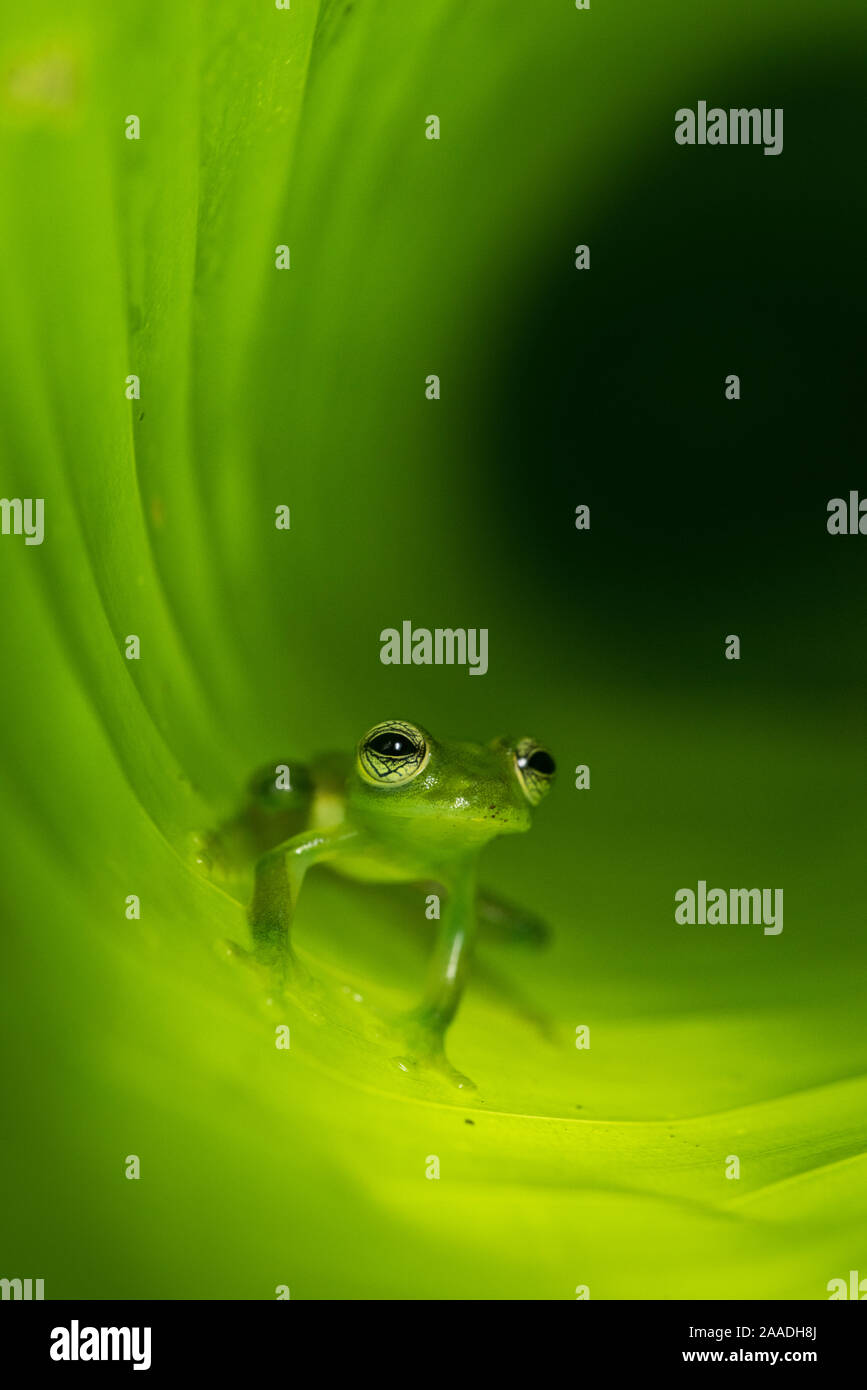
(315, 799)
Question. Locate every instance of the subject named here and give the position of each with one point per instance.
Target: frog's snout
(503, 820)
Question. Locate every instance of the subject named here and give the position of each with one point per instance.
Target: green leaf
(605, 1166)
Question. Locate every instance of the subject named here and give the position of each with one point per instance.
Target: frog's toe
(408, 1065)
(279, 972)
(201, 851)
(307, 991)
(211, 855)
(425, 1052)
(239, 955)
(456, 1078)
(437, 1064)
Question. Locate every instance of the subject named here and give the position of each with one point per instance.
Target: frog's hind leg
(504, 923)
(279, 799)
(503, 991)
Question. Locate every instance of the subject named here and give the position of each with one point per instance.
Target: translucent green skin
(430, 827)
(436, 825)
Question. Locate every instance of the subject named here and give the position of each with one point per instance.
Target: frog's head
(456, 792)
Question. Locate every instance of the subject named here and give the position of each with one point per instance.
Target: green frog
(406, 808)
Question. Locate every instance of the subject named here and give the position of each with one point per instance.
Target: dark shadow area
(706, 514)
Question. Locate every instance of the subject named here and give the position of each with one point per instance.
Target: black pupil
(392, 745)
(542, 762)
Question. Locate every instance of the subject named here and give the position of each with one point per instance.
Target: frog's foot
(203, 850)
(278, 974)
(212, 855)
(238, 955)
(424, 1046)
(414, 1064)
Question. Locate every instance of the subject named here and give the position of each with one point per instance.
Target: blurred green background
(259, 387)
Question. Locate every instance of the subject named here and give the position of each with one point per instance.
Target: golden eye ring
(392, 754)
(535, 768)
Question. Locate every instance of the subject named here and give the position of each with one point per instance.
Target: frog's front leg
(426, 1026)
(279, 876)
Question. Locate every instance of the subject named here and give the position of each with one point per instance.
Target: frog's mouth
(502, 821)
(496, 820)
(456, 822)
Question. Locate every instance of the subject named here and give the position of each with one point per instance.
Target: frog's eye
(535, 768)
(392, 753)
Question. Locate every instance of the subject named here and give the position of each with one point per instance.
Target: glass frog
(406, 808)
